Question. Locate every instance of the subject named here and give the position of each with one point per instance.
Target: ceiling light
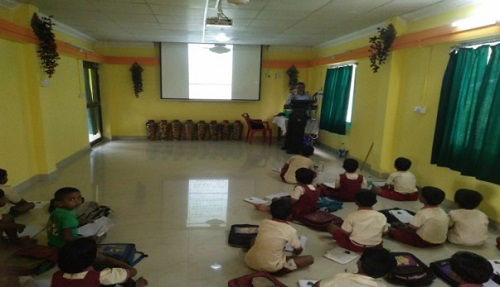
(222, 37)
(483, 16)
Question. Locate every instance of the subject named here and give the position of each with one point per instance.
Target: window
(210, 74)
(338, 94)
(467, 137)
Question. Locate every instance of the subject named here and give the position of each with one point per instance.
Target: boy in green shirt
(63, 223)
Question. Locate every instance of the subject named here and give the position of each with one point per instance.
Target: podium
(294, 140)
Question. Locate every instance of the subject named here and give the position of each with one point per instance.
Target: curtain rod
(492, 40)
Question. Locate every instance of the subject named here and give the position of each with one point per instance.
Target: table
(312, 125)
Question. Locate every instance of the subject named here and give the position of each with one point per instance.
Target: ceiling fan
(219, 49)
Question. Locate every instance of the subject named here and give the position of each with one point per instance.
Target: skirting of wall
(41, 177)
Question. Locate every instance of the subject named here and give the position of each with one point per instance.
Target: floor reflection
(207, 202)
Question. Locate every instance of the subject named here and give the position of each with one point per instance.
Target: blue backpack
(328, 204)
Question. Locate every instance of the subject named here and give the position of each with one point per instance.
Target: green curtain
(336, 100)
(467, 137)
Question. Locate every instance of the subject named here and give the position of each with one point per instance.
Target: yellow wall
(40, 125)
(383, 111)
(126, 115)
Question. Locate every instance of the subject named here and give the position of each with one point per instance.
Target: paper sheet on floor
(31, 231)
(40, 204)
(341, 255)
(307, 283)
(378, 183)
(277, 169)
(277, 195)
(99, 227)
(402, 215)
(302, 239)
(256, 200)
(496, 266)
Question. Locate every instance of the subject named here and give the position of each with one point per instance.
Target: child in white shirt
(362, 228)
(374, 263)
(469, 226)
(20, 205)
(400, 185)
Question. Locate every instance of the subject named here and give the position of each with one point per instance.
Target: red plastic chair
(255, 125)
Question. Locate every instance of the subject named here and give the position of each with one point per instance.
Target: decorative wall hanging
(380, 46)
(293, 77)
(47, 48)
(137, 70)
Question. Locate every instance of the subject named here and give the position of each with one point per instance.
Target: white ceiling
(272, 22)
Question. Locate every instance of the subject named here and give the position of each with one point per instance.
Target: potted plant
(380, 46)
(47, 48)
(137, 70)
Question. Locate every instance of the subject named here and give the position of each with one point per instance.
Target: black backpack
(242, 235)
(410, 271)
(442, 269)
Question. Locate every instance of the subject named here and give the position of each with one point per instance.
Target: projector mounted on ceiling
(221, 20)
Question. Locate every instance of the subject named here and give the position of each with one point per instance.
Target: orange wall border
(427, 37)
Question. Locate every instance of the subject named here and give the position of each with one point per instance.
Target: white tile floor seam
(177, 200)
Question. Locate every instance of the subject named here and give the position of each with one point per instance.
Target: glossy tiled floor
(177, 200)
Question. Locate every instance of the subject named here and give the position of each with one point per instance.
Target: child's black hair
(350, 165)
(3, 174)
(307, 151)
(281, 208)
(432, 195)
(365, 198)
(471, 268)
(59, 195)
(304, 175)
(402, 164)
(376, 262)
(76, 256)
(468, 198)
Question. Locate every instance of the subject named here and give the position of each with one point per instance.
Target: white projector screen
(195, 72)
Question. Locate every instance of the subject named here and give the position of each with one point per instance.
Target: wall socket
(420, 109)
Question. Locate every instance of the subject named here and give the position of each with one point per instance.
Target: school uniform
(292, 165)
(432, 224)
(90, 278)
(346, 186)
(361, 229)
(404, 187)
(469, 227)
(351, 280)
(267, 253)
(307, 200)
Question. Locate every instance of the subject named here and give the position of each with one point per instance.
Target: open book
(341, 255)
(329, 184)
(307, 283)
(402, 215)
(256, 200)
(99, 227)
(302, 239)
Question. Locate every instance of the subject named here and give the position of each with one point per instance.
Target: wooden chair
(255, 125)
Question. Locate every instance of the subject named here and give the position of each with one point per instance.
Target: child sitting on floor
(346, 184)
(304, 197)
(20, 205)
(401, 185)
(75, 263)
(267, 253)
(471, 270)
(429, 226)
(374, 263)
(7, 223)
(362, 228)
(63, 223)
(295, 162)
(469, 226)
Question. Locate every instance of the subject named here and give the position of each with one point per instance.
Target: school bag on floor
(410, 271)
(329, 204)
(320, 220)
(241, 235)
(256, 280)
(125, 252)
(442, 269)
